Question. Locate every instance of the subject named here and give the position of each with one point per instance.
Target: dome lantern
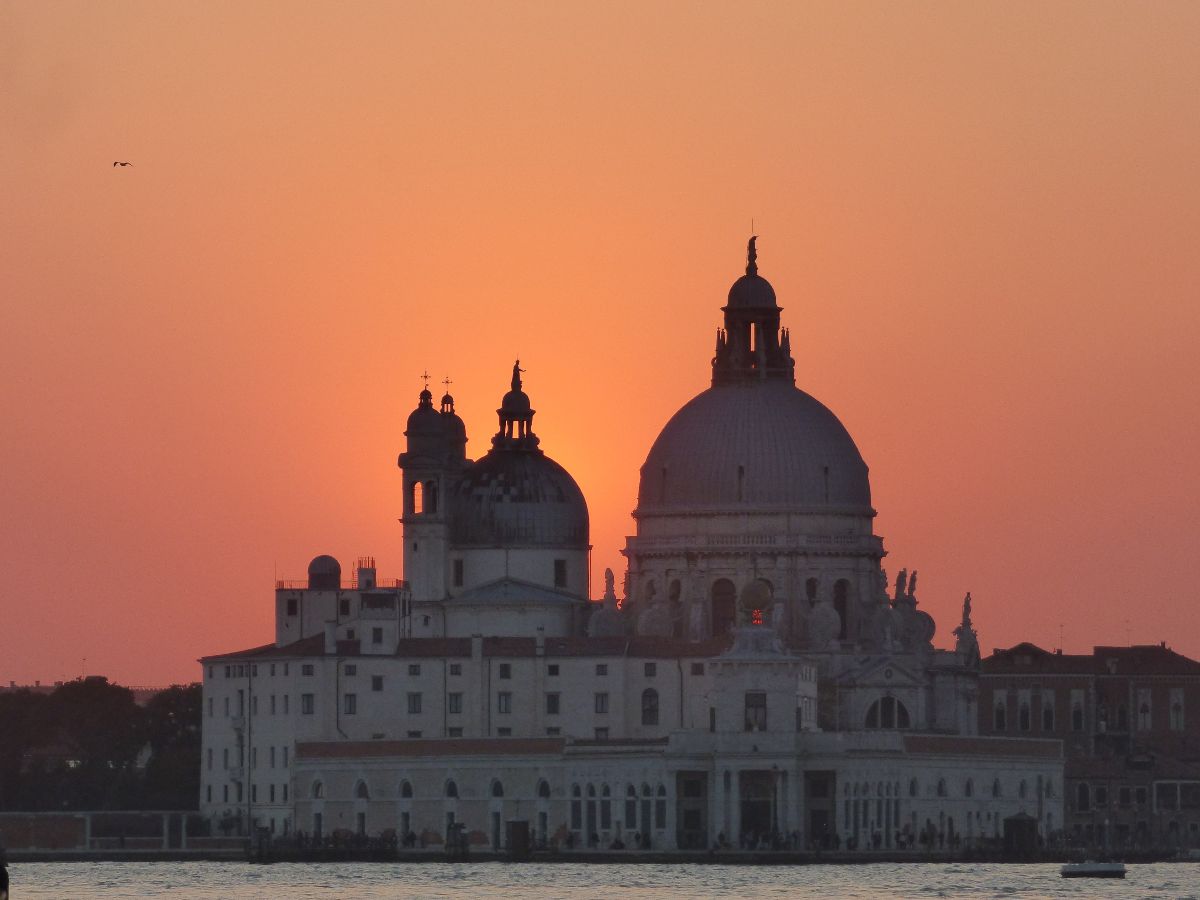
(751, 346)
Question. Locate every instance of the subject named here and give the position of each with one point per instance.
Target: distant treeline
(87, 745)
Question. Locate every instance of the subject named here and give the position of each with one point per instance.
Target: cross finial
(447, 382)
(425, 375)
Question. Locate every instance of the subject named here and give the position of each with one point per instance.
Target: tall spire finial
(516, 379)
(752, 256)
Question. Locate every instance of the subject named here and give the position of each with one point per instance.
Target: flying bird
(119, 163)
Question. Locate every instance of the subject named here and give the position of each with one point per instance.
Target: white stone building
(756, 684)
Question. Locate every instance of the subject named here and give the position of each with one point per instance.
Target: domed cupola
(753, 440)
(516, 495)
(456, 429)
(751, 345)
(434, 435)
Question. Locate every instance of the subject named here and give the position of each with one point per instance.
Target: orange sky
(981, 220)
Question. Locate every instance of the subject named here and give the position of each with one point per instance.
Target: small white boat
(1093, 870)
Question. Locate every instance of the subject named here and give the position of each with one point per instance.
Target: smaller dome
(752, 292)
(324, 574)
(447, 400)
(515, 402)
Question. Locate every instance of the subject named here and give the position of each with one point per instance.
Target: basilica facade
(758, 682)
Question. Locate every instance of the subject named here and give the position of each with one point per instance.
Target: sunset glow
(981, 221)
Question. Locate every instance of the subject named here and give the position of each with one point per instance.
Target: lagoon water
(210, 881)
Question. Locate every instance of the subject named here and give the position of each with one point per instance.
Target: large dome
(519, 498)
(754, 444)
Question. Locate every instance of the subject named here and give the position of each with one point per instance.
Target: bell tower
(434, 456)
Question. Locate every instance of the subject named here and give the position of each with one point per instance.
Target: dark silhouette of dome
(761, 444)
(324, 574)
(519, 498)
(752, 291)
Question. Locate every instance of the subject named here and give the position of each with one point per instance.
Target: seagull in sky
(119, 163)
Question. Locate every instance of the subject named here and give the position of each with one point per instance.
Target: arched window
(1083, 798)
(969, 788)
(810, 591)
(660, 807)
(543, 790)
(1023, 721)
(887, 712)
(1000, 715)
(630, 807)
(913, 788)
(418, 498)
(405, 790)
(361, 792)
(497, 788)
(996, 789)
(451, 789)
(649, 706)
(431, 496)
(576, 808)
(723, 606)
(941, 787)
(318, 790)
(841, 603)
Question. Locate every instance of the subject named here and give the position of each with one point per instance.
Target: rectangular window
(413, 734)
(291, 606)
(285, 761)
(1077, 710)
(454, 703)
(376, 635)
(552, 704)
(756, 711)
(1124, 796)
(272, 704)
(601, 702)
(272, 755)
(458, 573)
(208, 757)
(344, 606)
(414, 704)
(602, 734)
(1175, 709)
(208, 794)
(504, 702)
(350, 704)
(272, 796)
(560, 573)
(552, 670)
(455, 668)
(351, 670)
(505, 670)
(649, 670)
(712, 718)
(254, 793)
(697, 668)
(306, 670)
(210, 707)
(286, 703)
(306, 704)
(254, 705)
(272, 670)
(225, 792)
(414, 669)
(454, 732)
(285, 801)
(226, 706)
(377, 682)
(504, 732)
(553, 731)
(601, 669)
